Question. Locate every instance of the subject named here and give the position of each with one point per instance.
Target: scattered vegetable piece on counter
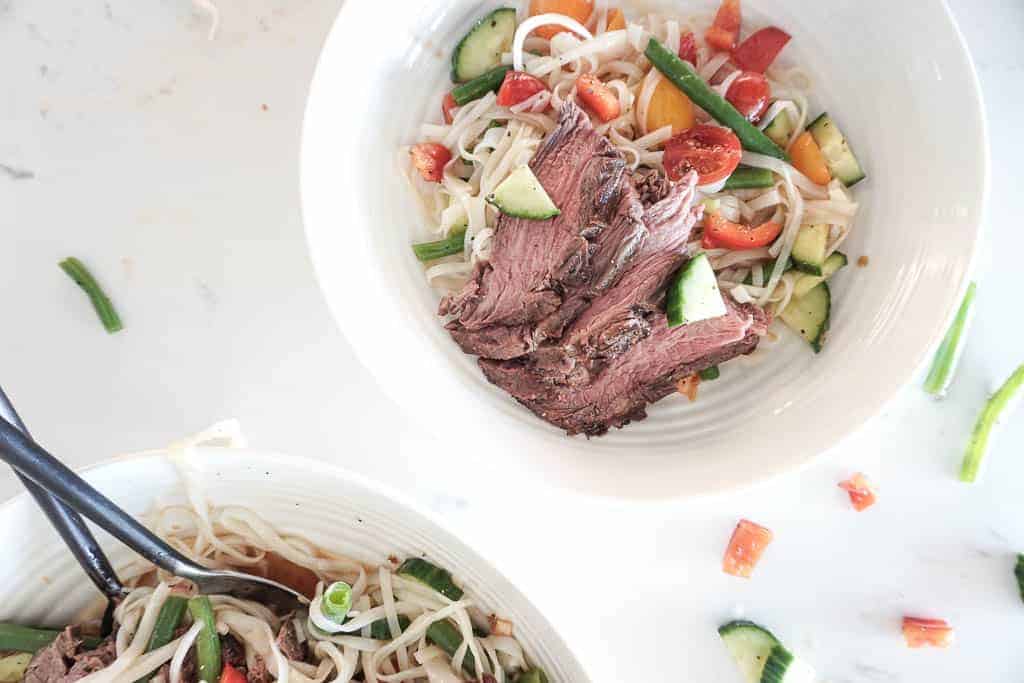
(430, 158)
(518, 87)
(709, 374)
(760, 49)
(598, 97)
(726, 28)
(996, 406)
(920, 632)
(77, 271)
(746, 546)
(948, 356)
(579, 10)
(1018, 571)
(862, 494)
(760, 657)
(688, 385)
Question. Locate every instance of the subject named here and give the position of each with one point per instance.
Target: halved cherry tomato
(669, 106)
(517, 87)
(447, 105)
(229, 674)
(749, 93)
(598, 97)
(808, 159)
(575, 9)
(726, 30)
(745, 548)
(429, 158)
(760, 49)
(720, 233)
(927, 632)
(687, 386)
(862, 496)
(688, 48)
(713, 152)
(616, 19)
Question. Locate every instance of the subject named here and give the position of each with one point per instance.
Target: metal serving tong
(48, 479)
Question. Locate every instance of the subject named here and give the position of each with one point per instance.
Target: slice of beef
(91, 661)
(590, 403)
(622, 315)
(288, 642)
(52, 663)
(258, 673)
(541, 274)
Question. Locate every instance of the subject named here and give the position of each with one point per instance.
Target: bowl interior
(40, 583)
(897, 96)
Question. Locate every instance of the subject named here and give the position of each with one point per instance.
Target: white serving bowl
(909, 101)
(40, 583)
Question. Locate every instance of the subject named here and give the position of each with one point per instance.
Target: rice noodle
(531, 24)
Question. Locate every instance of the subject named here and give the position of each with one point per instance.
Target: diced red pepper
(760, 49)
(229, 674)
(447, 105)
(430, 158)
(920, 632)
(745, 548)
(720, 233)
(724, 33)
(861, 494)
(688, 48)
(517, 87)
(598, 97)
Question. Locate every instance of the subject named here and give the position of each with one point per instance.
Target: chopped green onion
(1019, 573)
(208, 641)
(15, 638)
(450, 245)
(948, 355)
(167, 621)
(986, 421)
(337, 601)
(708, 374)
(77, 271)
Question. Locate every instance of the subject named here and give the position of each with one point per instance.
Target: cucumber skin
(461, 45)
(1019, 573)
(818, 341)
(481, 85)
(799, 262)
(743, 624)
(822, 120)
(380, 630)
(750, 645)
(776, 665)
(833, 264)
(682, 75)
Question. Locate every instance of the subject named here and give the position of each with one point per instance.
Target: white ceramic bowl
(909, 101)
(41, 584)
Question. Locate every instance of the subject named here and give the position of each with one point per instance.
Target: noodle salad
(673, 93)
(400, 621)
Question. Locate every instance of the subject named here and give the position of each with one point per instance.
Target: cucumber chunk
(430, 575)
(783, 667)
(521, 195)
(840, 158)
(750, 645)
(780, 129)
(693, 294)
(480, 50)
(809, 248)
(808, 316)
(832, 265)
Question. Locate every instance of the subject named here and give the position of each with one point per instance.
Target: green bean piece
(450, 245)
(748, 178)
(77, 271)
(978, 446)
(208, 641)
(948, 356)
(446, 636)
(15, 638)
(167, 622)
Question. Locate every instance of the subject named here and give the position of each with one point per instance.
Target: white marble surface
(168, 163)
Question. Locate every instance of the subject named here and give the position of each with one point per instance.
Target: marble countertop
(169, 163)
